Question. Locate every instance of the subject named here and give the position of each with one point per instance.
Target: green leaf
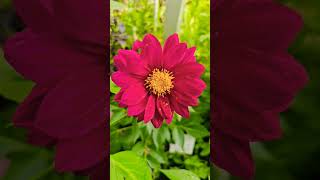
(195, 129)
(29, 166)
(8, 145)
(12, 85)
(178, 136)
(156, 137)
(158, 156)
(165, 133)
(128, 165)
(160, 135)
(178, 174)
(113, 87)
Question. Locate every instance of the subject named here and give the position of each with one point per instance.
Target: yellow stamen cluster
(159, 82)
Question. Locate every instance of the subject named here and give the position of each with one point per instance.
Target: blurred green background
(294, 157)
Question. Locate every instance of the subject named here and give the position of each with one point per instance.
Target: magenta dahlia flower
(157, 82)
(254, 78)
(64, 52)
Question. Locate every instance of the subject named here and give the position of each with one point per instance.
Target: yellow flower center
(159, 82)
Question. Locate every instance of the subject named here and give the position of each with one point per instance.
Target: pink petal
(150, 109)
(137, 45)
(134, 94)
(135, 110)
(184, 99)
(39, 138)
(174, 56)
(36, 14)
(82, 22)
(140, 116)
(178, 108)
(232, 155)
(151, 52)
(245, 124)
(82, 152)
(192, 69)
(44, 60)
(129, 61)
(25, 114)
(157, 121)
(189, 56)
(266, 82)
(163, 106)
(171, 41)
(266, 26)
(76, 105)
(189, 86)
(123, 79)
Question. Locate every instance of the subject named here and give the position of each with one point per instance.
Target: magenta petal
(122, 79)
(141, 116)
(36, 14)
(245, 124)
(174, 56)
(150, 109)
(120, 63)
(185, 99)
(38, 138)
(189, 86)
(76, 105)
(134, 94)
(163, 106)
(135, 110)
(157, 120)
(265, 82)
(265, 25)
(171, 41)
(232, 155)
(129, 61)
(41, 59)
(25, 114)
(137, 45)
(99, 172)
(192, 69)
(117, 98)
(178, 108)
(169, 120)
(83, 152)
(151, 52)
(189, 56)
(83, 22)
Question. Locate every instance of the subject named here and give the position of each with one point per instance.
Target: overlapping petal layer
(63, 51)
(176, 68)
(254, 77)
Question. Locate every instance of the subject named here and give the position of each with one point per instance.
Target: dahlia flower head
(254, 78)
(155, 82)
(64, 53)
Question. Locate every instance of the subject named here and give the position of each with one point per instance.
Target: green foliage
(178, 174)
(128, 165)
(12, 85)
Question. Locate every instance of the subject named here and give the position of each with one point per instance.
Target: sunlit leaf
(178, 174)
(128, 165)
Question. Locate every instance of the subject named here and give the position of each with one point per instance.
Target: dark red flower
(63, 50)
(158, 81)
(254, 78)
